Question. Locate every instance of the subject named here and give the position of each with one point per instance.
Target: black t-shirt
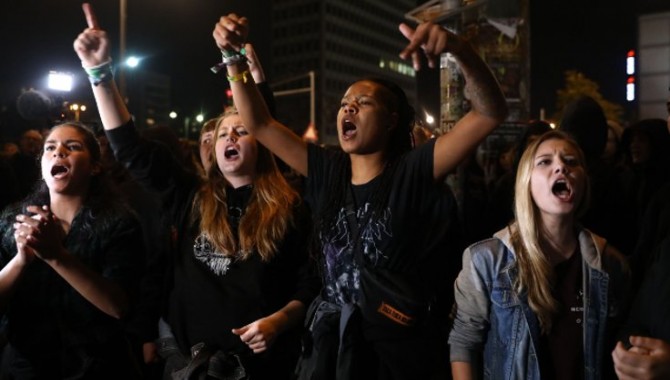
(50, 325)
(211, 293)
(563, 346)
(650, 312)
(412, 236)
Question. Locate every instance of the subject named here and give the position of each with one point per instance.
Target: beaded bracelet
(100, 73)
(239, 77)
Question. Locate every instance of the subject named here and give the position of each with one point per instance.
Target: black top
(562, 355)
(650, 312)
(49, 324)
(212, 294)
(412, 236)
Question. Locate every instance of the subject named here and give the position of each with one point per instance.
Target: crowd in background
(245, 251)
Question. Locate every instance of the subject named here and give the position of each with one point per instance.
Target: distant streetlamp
(132, 62)
(429, 119)
(311, 90)
(200, 118)
(173, 115)
(77, 108)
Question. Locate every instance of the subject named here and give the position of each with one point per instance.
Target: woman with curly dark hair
(71, 265)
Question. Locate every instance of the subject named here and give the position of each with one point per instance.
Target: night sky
(174, 37)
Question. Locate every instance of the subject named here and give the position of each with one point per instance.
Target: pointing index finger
(91, 20)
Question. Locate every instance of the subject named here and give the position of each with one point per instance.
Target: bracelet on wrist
(239, 77)
(229, 58)
(100, 73)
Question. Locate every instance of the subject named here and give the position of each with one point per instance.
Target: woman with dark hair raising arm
(240, 282)
(379, 209)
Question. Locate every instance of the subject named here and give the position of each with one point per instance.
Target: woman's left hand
(431, 39)
(258, 335)
(40, 233)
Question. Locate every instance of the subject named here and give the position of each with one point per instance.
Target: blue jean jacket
(491, 318)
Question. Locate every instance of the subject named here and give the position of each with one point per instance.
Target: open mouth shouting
(562, 190)
(59, 171)
(231, 152)
(348, 129)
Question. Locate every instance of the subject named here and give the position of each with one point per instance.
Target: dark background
(174, 38)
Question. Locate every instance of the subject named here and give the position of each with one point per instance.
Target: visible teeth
(230, 151)
(58, 169)
(348, 127)
(560, 187)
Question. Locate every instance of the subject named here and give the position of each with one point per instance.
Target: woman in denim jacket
(538, 300)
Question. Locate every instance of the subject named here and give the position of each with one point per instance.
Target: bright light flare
(132, 61)
(60, 81)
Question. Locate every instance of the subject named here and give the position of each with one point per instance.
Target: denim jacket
(492, 318)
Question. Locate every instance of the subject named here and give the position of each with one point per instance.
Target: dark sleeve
(143, 321)
(153, 166)
(7, 244)
(650, 311)
(268, 96)
(309, 282)
(9, 190)
(320, 162)
(123, 254)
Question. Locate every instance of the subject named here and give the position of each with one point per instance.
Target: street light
(311, 90)
(60, 81)
(132, 62)
(76, 108)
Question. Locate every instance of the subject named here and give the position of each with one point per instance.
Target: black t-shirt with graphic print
(211, 294)
(413, 236)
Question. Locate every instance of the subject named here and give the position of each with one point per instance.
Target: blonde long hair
(535, 272)
(266, 219)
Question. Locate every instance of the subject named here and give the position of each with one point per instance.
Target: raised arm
(230, 35)
(92, 47)
(489, 108)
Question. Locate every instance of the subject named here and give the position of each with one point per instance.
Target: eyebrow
(53, 141)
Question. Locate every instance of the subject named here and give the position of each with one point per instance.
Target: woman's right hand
(230, 33)
(92, 45)
(39, 234)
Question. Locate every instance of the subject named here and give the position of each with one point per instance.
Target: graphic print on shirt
(204, 251)
(342, 275)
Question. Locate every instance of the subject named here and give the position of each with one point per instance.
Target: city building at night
(653, 74)
(340, 41)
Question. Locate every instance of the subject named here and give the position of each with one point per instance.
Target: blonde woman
(239, 284)
(538, 298)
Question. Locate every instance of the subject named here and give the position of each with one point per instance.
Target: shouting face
(66, 161)
(236, 151)
(364, 119)
(558, 179)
